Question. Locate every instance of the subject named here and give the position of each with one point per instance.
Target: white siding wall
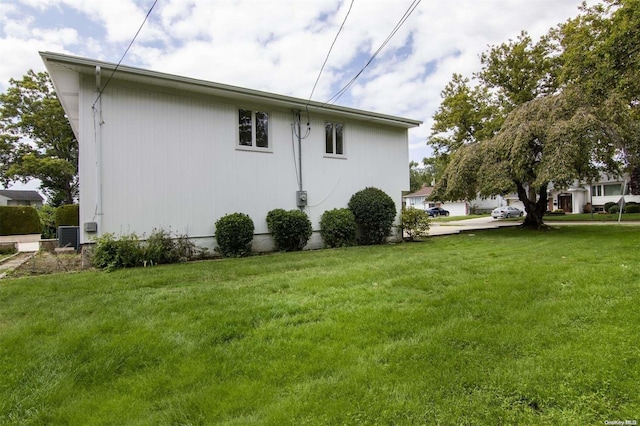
(3, 200)
(171, 162)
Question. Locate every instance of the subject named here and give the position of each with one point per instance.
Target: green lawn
(607, 217)
(497, 327)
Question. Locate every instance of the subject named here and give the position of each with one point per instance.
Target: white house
(13, 197)
(572, 199)
(164, 151)
(419, 200)
(486, 205)
(606, 190)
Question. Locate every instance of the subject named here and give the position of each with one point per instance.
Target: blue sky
(280, 45)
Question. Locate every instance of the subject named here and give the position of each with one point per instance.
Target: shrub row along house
(163, 151)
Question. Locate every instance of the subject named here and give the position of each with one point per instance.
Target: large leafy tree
(36, 140)
(418, 176)
(601, 56)
(559, 122)
(430, 171)
(466, 115)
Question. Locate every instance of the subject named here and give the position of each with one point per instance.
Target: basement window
(253, 129)
(334, 138)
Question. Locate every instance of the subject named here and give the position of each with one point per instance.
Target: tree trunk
(535, 204)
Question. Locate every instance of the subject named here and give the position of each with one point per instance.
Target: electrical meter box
(301, 198)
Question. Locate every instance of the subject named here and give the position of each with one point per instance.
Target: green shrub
(608, 205)
(47, 221)
(234, 234)
(159, 248)
(632, 208)
(19, 220)
(129, 251)
(338, 228)
(111, 253)
(291, 229)
(414, 223)
(67, 215)
(614, 209)
(375, 212)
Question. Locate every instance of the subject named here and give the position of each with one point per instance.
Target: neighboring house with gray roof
(11, 197)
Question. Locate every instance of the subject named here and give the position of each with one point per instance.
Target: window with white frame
(596, 190)
(334, 138)
(610, 190)
(253, 129)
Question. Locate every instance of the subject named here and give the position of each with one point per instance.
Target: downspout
(300, 153)
(98, 112)
(301, 195)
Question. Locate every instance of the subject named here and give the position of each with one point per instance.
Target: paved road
(486, 222)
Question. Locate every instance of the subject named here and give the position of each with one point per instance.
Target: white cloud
(279, 45)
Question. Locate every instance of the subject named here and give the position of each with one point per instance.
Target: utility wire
(402, 20)
(329, 53)
(124, 54)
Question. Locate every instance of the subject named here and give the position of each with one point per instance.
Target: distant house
(576, 197)
(485, 205)
(11, 197)
(164, 151)
(419, 200)
(572, 199)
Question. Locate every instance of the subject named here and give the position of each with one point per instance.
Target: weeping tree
(552, 140)
(539, 119)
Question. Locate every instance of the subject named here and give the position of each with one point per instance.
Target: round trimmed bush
(338, 228)
(614, 209)
(607, 206)
(374, 212)
(234, 234)
(291, 229)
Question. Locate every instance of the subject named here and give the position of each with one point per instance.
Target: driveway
(455, 227)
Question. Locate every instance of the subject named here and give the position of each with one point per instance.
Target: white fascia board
(87, 66)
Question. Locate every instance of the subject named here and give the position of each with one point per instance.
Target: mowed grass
(596, 217)
(497, 327)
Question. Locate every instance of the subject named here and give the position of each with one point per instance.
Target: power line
(402, 20)
(124, 54)
(329, 53)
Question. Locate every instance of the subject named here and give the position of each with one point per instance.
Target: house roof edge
(288, 101)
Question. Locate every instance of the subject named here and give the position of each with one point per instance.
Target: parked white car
(506, 212)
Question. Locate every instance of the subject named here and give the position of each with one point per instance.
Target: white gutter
(97, 122)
